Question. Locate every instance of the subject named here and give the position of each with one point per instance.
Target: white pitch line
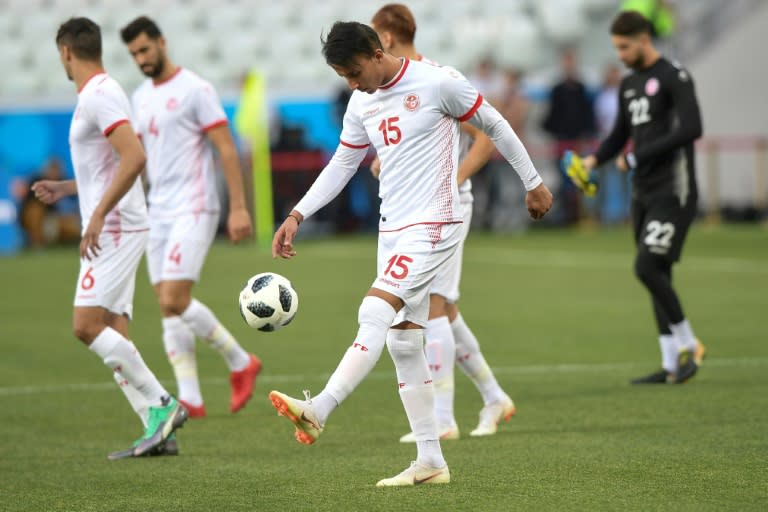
(564, 259)
(382, 375)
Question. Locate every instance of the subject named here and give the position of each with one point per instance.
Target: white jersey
(413, 122)
(172, 119)
(465, 142)
(102, 106)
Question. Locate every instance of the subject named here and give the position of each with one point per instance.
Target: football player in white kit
(178, 115)
(410, 112)
(107, 159)
(448, 339)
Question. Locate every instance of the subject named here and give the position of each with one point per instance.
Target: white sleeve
(507, 142)
(208, 109)
(458, 98)
(108, 110)
(332, 179)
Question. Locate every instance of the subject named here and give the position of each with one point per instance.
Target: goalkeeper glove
(579, 175)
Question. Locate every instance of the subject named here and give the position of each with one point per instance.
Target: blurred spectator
(486, 80)
(658, 12)
(571, 122)
(612, 198)
(512, 103)
(47, 224)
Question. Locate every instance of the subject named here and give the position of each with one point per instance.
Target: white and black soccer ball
(268, 302)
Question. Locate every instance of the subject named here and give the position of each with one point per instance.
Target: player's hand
(579, 174)
(239, 225)
(48, 191)
(282, 243)
(538, 201)
(89, 244)
(621, 163)
(376, 167)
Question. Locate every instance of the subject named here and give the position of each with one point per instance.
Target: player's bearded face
(63, 57)
(630, 52)
(153, 66)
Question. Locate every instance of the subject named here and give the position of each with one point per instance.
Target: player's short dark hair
(397, 19)
(348, 39)
(82, 36)
(631, 24)
(142, 24)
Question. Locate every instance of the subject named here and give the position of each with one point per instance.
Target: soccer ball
(268, 302)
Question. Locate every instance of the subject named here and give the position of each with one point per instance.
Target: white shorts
(446, 282)
(178, 246)
(108, 280)
(408, 261)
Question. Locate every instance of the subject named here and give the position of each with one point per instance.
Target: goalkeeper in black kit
(658, 111)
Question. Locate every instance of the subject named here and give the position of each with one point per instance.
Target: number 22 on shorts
(400, 263)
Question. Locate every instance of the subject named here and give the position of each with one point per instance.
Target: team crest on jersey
(411, 102)
(652, 86)
(171, 104)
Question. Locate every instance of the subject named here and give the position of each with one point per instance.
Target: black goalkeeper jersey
(659, 112)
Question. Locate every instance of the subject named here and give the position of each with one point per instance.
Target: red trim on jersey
(353, 146)
(221, 122)
(419, 224)
(89, 79)
(109, 129)
(474, 108)
(178, 70)
(398, 76)
(125, 230)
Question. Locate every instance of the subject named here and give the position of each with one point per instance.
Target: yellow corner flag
(251, 124)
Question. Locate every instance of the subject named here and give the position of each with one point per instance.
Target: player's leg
(189, 239)
(429, 250)
(440, 350)
(375, 316)
(497, 405)
(104, 290)
(659, 246)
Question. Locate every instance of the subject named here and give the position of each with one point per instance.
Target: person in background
(570, 121)
(179, 118)
(44, 223)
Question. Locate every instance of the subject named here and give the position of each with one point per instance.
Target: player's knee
(173, 305)
(85, 331)
(649, 267)
(405, 345)
(375, 311)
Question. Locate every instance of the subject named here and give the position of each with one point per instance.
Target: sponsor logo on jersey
(411, 102)
(652, 86)
(629, 93)
(372, 111)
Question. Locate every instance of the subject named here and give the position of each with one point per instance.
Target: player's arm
(538, 199)
(478, 155)
(239, 221)
(50, 191)
(132, 159)
(614, 142)
(331, 181)
(687, 128)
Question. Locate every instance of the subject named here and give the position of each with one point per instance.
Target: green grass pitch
(559, 317)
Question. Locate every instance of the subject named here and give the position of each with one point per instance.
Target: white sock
(179, 343)
(416, 392)
(441, 354)
(375, 316)
(122, 356)
(205, 325)
(669, 352)
(473, 364)
(684, 335)
(430, 451)
(136, 399)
